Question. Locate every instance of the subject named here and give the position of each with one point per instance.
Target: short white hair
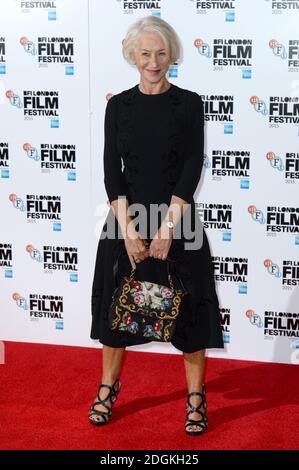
(152, 24)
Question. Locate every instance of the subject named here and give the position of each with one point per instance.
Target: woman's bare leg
(111, 364)
(111, 367)
(194, 367)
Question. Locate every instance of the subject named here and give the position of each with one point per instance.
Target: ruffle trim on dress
(170, 169)
(125, 132)
(171, 163)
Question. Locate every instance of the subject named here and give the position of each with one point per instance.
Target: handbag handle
(170, 267)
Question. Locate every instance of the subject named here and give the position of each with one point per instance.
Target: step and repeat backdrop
(59, 62)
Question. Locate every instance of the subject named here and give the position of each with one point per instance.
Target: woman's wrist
(165, 232)
(129, 229)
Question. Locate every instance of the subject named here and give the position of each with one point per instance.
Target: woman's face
(151, 58)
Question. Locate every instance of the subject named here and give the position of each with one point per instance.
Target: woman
(157, 128)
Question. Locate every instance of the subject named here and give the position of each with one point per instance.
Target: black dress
(160, 139)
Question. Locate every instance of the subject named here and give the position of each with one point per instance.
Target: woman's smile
(154, 72)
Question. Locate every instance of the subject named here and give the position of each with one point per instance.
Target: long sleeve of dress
(188, 180)
(114, 180)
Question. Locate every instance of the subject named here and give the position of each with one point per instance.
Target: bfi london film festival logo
(39, 207)
(254, 318)
(4, 160)
(6, 259)
(51, 50)
(278, 324)
(256, 214)
(53, 157)
(137, 6)
(232, 270)
(278, 219)
(289, 274)
(288, 53)
(217, 217)
(281, 6)
(2, 55)
(56, 258)
(279, 109)
(288, 166)
(37, 103)
(212, 6)
(225, 314)
(227, 54)
(40, 307)
(50, 7)
(220, 108)
(226, 164)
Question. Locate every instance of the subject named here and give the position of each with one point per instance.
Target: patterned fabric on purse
(146, 309)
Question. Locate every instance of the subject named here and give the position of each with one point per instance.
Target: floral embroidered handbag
(146, 309)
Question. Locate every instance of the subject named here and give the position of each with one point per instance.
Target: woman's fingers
(131, 258)
(136, 250)
(159, 249)
(142, 251)
(142, 248)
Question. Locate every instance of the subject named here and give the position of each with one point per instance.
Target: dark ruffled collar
(126, 103)
(175, 93)
(156, 96)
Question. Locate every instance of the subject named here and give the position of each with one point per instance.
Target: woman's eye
(146, 53)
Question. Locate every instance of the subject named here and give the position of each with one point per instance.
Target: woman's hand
(136, 247)
(161, 243)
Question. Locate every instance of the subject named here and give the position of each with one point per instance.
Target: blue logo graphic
(244, 184)
(54, 123)
(246, 73)
(228, 129)
(57, 226)
(71, 176)
(5, 173)
(242, 289)
(69, 70)
(230, 16)
(226, 338)
(52, 15)
(226, 236)
(173, 71)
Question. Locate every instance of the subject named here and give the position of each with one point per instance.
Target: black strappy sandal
(112, 396)
(201, 423)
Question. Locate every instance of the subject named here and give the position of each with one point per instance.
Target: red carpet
(46, 392)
